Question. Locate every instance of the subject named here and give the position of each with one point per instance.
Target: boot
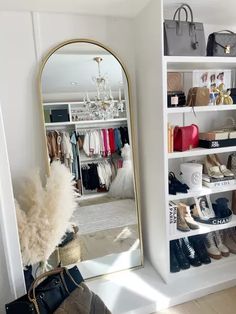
(233, 234)
(190, 252)
(188, 218)
(181, 223)
(174, 265)
(181, 258)
(220, 245)
(197, 243)
(229, 241)
(212, 250)
(234, 202)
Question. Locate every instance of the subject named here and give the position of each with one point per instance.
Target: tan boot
(188, 218)
(233, 233)
(181, 223)
(228, 241)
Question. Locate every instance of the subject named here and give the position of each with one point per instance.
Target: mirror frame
(132, 133)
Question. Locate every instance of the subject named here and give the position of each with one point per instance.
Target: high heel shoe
(225, 171)
(211, 169)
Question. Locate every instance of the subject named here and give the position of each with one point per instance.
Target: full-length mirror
(87, 121)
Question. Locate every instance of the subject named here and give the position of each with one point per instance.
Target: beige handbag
(198, 96)
(174, 82)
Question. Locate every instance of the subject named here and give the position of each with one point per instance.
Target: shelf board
(201, 109)
(204, 268)
(195, 62)
(199, 151)
(203, 191)
(83, 123)
(204, 228)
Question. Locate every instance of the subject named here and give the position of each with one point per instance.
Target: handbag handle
(178, 11)
(184, 6)
(34, 285)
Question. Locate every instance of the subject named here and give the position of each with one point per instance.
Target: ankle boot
(181, 223)
(220, 245)
(229, 241)
(188, 218)
(212, 250)
(181, 258)
(197, 243)
(233, 234)
(190, 253)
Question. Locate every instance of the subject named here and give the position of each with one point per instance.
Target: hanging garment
(123, 186)
(86, 145)
(111, 140)
(75, 166)
(67, 150)
(101, 140)
(118, 139)
(108, 152)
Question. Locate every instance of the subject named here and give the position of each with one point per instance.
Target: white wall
(25, 39)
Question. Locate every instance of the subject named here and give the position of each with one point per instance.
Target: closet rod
(101, 126)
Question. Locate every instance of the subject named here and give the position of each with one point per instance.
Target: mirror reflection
(88, 128)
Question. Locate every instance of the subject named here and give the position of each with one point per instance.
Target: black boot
(181, 258)
(197, 243)
(190, 253)
(174, 265)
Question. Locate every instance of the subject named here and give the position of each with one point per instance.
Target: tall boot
(234, 202)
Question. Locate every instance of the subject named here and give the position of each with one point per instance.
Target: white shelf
(191, 63)
(203, 191)
(199, 151)
(204, 228)
(85, 123)
(201, 109)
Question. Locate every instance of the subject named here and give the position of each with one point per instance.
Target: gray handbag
(222, 44)
(184, 38)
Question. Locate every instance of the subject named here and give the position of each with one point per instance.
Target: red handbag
(186, 137)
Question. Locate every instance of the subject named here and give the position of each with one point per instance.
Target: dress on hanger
(123, 184)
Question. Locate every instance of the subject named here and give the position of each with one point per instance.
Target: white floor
(142, 291)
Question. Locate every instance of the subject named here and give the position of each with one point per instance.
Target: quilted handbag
(184, 38)
(45, 297)
(222, 44)
(198, 96)
(186, 137)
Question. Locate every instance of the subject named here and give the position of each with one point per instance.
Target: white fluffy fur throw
(43, 213)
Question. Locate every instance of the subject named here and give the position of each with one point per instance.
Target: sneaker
(190, 253)
(211, 247)
(229, 241)
(220, 245)
(174, 265)
(181, 258)
(197, 243)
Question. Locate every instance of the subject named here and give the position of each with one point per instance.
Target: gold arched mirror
(86, 103)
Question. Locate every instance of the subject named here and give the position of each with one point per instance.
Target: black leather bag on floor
(184, 38)
(222, 44)
(45, 297)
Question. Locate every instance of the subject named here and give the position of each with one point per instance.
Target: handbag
(45, 297)
(222, 44)
(186, 137)
(184, 38)
(198, 96)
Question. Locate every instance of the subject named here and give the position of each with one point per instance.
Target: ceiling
(125, 8)
(71, 71)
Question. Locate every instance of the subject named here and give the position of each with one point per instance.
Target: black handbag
(45, 297)
(184, 38)
(222, 44)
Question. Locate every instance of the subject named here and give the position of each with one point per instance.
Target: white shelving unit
(186, 116)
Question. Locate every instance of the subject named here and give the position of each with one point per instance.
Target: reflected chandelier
(103, 106)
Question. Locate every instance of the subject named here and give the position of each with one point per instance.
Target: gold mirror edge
(133, 134)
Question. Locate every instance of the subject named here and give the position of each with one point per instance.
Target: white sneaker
(220, 245)
(211, 247)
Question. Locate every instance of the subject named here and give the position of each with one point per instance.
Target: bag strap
(226, 31)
